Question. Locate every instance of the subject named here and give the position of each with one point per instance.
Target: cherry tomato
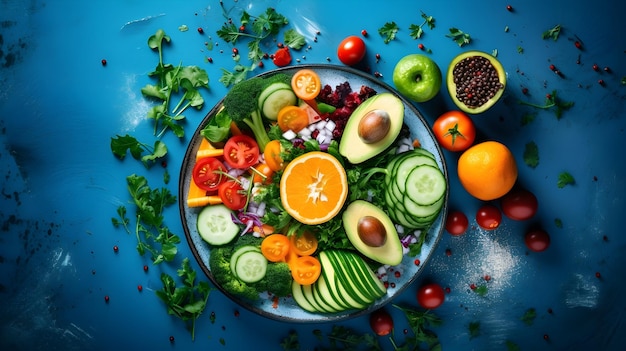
(351, 50)
(208, 173)
(241, 151)
(519, 204)
(292, 118)
(305, 269)
(282, 57)
(275, 247)
(381, 322)
(454, 131)
(456, 223)
(306, 84)
(232, 195)
(488, 217)
(430, 296)
(272, 157)
(303, 244)
(262, 173)
(537, 240)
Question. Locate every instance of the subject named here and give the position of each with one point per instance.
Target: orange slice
(313, 187)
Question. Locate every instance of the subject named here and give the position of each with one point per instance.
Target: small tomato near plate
(351, 50)
(454, 131)
(488, 217)
(430, 296)
(519, 204)
(282, 57)
(456, 223)
(381, 322)
(241, 151)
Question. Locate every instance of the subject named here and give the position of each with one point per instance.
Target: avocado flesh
(391, 251)
(352, 147)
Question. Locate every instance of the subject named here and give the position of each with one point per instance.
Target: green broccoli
(241, 104)
(219, 264)
(277, 279)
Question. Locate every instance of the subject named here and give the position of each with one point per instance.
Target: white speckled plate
(287, 309)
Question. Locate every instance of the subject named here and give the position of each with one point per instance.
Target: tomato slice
(262, 173)
(292, 118)
(241, 151)
(208, 173)
(272, 155)
(232, 195)
(303, 244)
(275, 247)
(305, 270)
(306, 84)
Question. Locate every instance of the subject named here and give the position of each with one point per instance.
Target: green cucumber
(345, 280)
(215, 225)
(273, 98)
(425, 185)
(298, 296)
(332, 283)
(251, 266)
(238, 253)
(324, 294)
(355, 281)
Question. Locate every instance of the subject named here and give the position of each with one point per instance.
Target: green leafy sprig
(552, 33)
(121, 145)
(565, 178)
(416, 30)
(552, 100)
(388, 31)
(459, 37)
(420, 322)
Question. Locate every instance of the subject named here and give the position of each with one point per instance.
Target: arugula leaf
(459, 37)
(388, 31)
(565, 178)
(531, 154)
(122, 219)
(218, 128)
(553, 33)
(416, 31)
(120, 145)
(239, 73)
(294, 40)
(291, 342)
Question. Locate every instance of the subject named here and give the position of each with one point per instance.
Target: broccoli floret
(219, 263)
(245, 240)
(277, 279)
(241, 105)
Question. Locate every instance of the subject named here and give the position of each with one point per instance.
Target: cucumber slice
(251, 266)
(298, 296)
(328, 272)
(238, 253)
(406, 166)
(425, 185)
(320, 288)
(346, 278)
(216, 226)
(275, 97)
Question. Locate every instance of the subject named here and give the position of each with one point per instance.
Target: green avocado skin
(391, 251)
(352, 147)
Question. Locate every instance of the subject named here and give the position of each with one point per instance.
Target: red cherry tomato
(232, 195)
(351, 50)
(282, 57)
(456, 223)
(381, 322)
(241, 151)
(430, 296)
(454, 131)
(519, 204)
(537, 240)
(208, 173)
(488, 217)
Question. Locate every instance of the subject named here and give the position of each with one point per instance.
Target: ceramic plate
(287, 309)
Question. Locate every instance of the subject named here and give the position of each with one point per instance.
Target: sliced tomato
(292, 118)
(272, 155)
(305, 269)
(275, 247)
(306, 84)
(282, 57)
(208, 173)
(241, 151)
(232, 195)
(303, 244)
(262, 173)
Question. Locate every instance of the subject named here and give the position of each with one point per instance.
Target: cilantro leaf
(553, 33)
(388, 31)
(529, 316)
(239, 73)
(531, 154)
(474, 329)
(294, 40)
(564, 179)
(416, 31)
(552, 100)
(120, 145)
(459, 37)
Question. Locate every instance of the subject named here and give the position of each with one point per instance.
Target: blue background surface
(59, 107)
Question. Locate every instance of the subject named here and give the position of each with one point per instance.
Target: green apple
(417, 77)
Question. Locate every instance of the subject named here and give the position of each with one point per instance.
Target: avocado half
(391, 251)
(355, 149)
(460, 98)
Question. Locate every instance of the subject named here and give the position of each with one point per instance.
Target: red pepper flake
(242, 28)
(420, 46)
(552, 67)
(275, 302)
(104, 62)
(487, 277)
(200, 30)
(578, 45)
(139, 288)
(386, 284)
(364, 32)
(106, 298)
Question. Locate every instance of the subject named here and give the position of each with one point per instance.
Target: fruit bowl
(403, 274)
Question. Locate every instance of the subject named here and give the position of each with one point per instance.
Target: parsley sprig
(416, 30)
(552, 33)
(565, 178)
(552, 100)
(388, 31)
(420, 322)
(187, 301)
(121, 145)
(459, 37)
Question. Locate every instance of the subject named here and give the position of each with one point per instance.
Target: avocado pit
(371, 231)
(374, 126)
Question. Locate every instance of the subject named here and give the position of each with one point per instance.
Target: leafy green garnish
(291, 342)
(474, 329)
(531, 154)
(529, 316)
(552, 101)
(187, 301)
(416, 30)
(388, 31)
(218, 128)
(553, 33)
(121, 219)
(121, 145)
(480, 290)
(459, 37)
(294, 40)
(420, 322)
(558, 223)
(511, 346)
(564, 179)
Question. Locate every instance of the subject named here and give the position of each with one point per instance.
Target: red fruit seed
(578, 45)
(200, 30)
(106, 298)
(509, 8)
(420, 46)
(104, 62)
(364, 33)
(595, 67)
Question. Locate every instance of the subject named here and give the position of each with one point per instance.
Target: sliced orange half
(313, 187)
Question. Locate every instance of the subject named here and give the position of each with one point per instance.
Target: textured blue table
(59, 107)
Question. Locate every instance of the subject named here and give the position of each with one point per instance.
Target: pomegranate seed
(595, 67)
(242, 28)
(578, 45)
(601, 82)
(104, 62)
(106, 298)
(236, 313)
(607, 69)
(386, 284)
(377, 56)
(552, 67)
(548, 96)
(420, 46)
(448, 289)
(509, 8)
(546, 337)
(397, 274)
(487, 277)
(235, 51)
(171, 338)
(200, 30)
(280, 45)
(145, 268)
(417, 262)
(473, 286)
(261, 64)
(115, 248)
(524, 91)
(598, 275)
(448, 252)
(364, 33)
(210, 59)
(140, 288)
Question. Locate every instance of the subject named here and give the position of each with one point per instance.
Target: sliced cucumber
(298, 296)
(238, 253)
(331, 281)
(425, 185)
(275, 97)
(251, 266)
(215, 225)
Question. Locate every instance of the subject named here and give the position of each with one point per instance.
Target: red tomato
(232, 195)
(381, 322)
(430, 296)
(282, 57)
(351, 50)
(454, 131)
(208, 173)
(241, 151)
(488, 217)
(537, 240)
(456, 223)
(519, 204)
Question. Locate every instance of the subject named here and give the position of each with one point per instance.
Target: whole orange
(487, 170)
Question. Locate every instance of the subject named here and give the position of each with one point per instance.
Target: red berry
(261, 64)
(171, 338)
(115, 248)
(200, 30)
(417, 262)
(601, 82)
(598, 275)
(420, 46)
(140, 288)
(473, 286)
(595, 67)
(552, 67)
(578, 44)
(210, 59)
(397, 274)
(145, 268)
(236, 313)
(364, 33)
(242, 28)
(509, 8)
(524, 91)
(104, 62)
(607, 69)
(487, 277)
(235, 51)
(106, 298)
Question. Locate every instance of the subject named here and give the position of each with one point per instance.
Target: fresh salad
(310, 191)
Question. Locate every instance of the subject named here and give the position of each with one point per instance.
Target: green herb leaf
(291, 342)
(531, 154)
(553, 33)
(529, 316)
(564, 179)
(120, 145)
(294, 40)
(459, 37)
(416, 31)
(551, 101)
(558, 223)
(388, 31)
(239, 73)
(474, 329)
